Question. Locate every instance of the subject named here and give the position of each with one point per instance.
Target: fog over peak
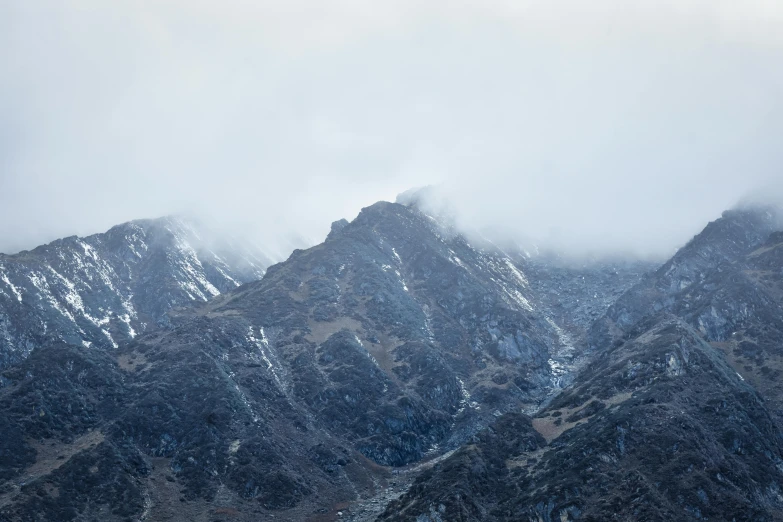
(608, 127)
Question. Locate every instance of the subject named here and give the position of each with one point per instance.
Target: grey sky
(596, 126)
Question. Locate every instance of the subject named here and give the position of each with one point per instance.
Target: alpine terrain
(397, 371)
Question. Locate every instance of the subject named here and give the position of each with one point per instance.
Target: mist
(618, 127)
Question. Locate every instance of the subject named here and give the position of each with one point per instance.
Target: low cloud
(608, 128)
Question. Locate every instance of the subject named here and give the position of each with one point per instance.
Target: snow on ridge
(513, 296)
(97, 265)
(136, 238)
(515, 271)
(89, 250)
(42, 285)
(14, 289)
(110, 338)
(402, 280)
(75, 302)
(193, 270)
(367, 352)
(228, 277)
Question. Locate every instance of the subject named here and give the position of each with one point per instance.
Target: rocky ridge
(103, 290)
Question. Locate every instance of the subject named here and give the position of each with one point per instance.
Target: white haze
(597, 127)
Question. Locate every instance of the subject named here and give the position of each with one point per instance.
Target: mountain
(403, 372)
(104, 289)
(391, 343)
(675, 417)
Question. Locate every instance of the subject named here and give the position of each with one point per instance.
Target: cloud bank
(605, 126)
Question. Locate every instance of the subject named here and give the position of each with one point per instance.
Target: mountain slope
(106, 288)
(444, 330)
(659, 425)
(657, 428)
(726, 283)
(389, 342)
(735, 234)
(738, 308)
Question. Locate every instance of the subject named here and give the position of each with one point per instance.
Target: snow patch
(263, 347)
(558, 366)
(110, 338)
(457, 261)
(520, 277)
(402, 280)
(42, 285)
(466, 398)
(4, 279)
(127, 320)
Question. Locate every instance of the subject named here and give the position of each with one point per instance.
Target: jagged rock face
(105, 289)
(727, 283)
(738, 307)
(723, 241)
(657, 428)
(742, 298)
(396, 336)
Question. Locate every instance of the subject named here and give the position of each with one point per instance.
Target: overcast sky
(593, 126)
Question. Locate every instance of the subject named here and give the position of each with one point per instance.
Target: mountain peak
(106, 288)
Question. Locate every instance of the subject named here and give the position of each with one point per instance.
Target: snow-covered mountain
(107, 288)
